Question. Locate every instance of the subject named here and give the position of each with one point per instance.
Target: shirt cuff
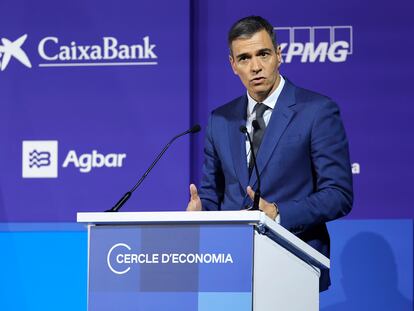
(278, 219)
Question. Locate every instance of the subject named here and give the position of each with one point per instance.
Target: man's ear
(233, 64)
(278, 56)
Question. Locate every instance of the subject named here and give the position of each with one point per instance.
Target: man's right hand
(195, 202)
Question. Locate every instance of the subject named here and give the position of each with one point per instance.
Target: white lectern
(233, 260)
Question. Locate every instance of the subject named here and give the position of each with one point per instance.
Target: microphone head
(243, 129)
(255, 125)
(195, 129)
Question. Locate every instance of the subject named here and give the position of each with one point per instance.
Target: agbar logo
(40, 159)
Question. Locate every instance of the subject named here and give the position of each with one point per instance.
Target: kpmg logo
(312, 44)
(9, 50)
(120, 258)
(40, 159)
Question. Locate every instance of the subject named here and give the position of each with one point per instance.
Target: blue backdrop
(91, 91)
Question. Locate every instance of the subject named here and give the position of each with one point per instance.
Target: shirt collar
(270, 101)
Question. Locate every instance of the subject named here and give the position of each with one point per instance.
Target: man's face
(256, 62)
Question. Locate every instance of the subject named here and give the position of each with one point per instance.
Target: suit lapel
(238, 141)
(280, 119)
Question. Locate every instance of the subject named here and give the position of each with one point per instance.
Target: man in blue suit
(302, 151)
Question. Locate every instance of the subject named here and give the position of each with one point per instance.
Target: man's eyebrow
(243, 55)
(264, 50)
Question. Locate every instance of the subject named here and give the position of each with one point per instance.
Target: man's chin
(260, 92)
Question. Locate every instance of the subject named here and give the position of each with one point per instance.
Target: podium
(227, 260)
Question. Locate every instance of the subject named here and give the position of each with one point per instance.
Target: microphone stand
(257, 193)
(125, 198)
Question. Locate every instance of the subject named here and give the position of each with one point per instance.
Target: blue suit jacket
(303, 164)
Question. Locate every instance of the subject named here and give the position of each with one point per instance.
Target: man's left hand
(268, 208)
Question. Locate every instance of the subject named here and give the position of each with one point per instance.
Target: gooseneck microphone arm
(195, 129)
(257, 193)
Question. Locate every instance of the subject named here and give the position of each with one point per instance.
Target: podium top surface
(171, 217)
(258, 218)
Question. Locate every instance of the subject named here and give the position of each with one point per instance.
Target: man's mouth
(257, 80)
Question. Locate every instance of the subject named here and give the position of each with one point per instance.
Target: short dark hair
(247, 27)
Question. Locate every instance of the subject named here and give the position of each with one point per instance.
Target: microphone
(195, 129)
(257, 193)
(256, 124)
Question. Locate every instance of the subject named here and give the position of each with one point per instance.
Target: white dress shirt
(270, 101)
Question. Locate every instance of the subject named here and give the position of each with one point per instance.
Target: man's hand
(268, 208)
(195, 202)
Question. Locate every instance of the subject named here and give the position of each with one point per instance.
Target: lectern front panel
(170, 267)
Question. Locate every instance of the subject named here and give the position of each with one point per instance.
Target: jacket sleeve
(333, 195)
(211, 190)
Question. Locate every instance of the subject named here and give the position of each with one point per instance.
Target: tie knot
(260, 109)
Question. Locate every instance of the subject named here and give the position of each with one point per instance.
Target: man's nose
(255, 65)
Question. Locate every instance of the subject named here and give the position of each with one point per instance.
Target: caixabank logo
(310, 44)
(13, 49)
(61, 52)
(40, 159)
